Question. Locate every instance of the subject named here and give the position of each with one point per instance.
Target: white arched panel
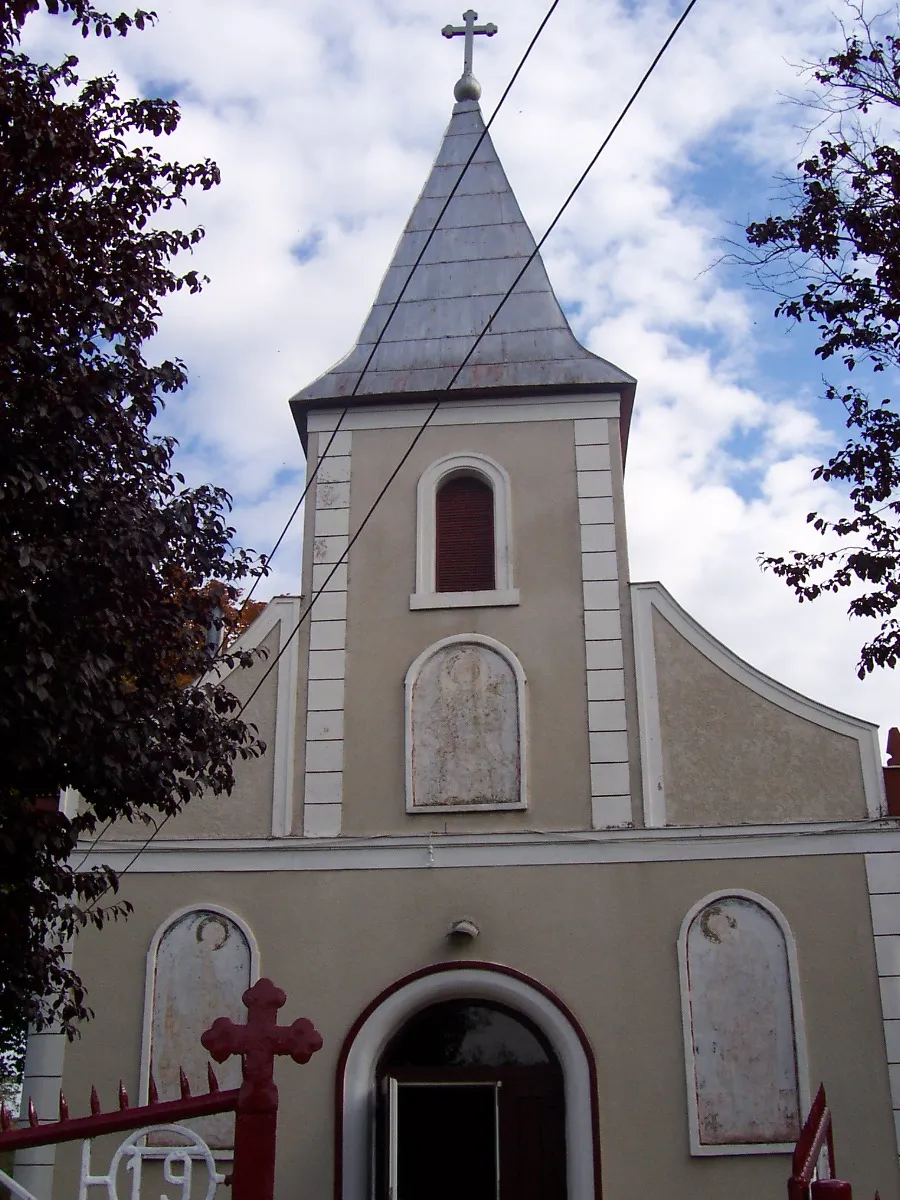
(465, 727)
(200, 962)
(745, 1054)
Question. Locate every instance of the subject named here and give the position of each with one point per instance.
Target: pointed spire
(478, 249)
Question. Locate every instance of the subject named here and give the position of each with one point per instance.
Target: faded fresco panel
(202, 970)
(742, 1023)
(465, 729)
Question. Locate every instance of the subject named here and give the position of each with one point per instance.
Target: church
(581, 903)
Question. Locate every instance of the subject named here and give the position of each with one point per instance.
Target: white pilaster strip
(44, 1059)
(323, 792)
(288, 608)
(648, 707)
(610, 785)
(883, 874)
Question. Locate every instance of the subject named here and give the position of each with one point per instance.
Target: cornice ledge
(571, 838)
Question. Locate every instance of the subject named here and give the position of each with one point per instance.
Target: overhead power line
(430, 417)
(311, 478)
(433, 412)
(456, 374)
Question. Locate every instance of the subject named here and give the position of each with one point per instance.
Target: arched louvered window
(464, 535)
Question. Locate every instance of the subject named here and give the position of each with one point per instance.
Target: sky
(324, 118)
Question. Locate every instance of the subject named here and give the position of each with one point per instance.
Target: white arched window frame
(697, 1147)
(357, 1086)
(467, 639)
(150, 977)
(426, 595)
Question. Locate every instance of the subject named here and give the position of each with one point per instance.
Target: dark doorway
(471, 1108)
(446, 1141)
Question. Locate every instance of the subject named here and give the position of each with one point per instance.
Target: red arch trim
(437, 969)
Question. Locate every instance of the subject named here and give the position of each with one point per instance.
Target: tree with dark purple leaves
(106, 556)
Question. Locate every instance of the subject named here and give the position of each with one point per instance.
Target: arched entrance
(366, 1060)
(471, 1104)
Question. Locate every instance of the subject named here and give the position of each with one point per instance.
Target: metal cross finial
(468, 87)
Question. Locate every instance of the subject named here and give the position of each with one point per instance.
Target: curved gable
(724, 744)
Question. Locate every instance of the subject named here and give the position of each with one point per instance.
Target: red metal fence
(254, 1103)
(812, 1167)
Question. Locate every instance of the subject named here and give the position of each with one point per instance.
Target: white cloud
(324, 119)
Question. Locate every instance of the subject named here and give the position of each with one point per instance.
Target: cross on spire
(259, 1041)
(468, 87)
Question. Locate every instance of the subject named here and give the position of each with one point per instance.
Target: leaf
(107, 584)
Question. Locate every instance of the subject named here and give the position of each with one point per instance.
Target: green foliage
(105, 554)
(835, 260)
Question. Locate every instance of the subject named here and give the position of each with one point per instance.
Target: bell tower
(469, 663)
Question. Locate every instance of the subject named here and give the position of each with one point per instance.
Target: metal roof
(480, 245)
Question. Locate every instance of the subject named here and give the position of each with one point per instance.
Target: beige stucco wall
(545, 631)
(731, 756)
(247, 810)
(602, 937)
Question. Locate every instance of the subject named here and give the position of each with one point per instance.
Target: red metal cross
(258, 1042)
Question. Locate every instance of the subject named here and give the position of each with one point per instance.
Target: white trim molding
(150, 975)
(483, 410)
(358, 1098)
(604, 656)
(466, 639)
(643, 598)
(494, 599)
(801, 1058)
(323, 791)
(883, 876)
(494, 475)
(433, 851)
(649, 596)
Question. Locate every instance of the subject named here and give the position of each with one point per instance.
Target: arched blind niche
(465, 735)
(743, 1027)
(199, 965)
(464, 535)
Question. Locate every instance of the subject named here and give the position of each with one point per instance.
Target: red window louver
(464, 532)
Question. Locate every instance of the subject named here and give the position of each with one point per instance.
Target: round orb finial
(467, 88)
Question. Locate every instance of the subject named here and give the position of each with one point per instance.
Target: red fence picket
(255, 1102)
(817, 1134)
